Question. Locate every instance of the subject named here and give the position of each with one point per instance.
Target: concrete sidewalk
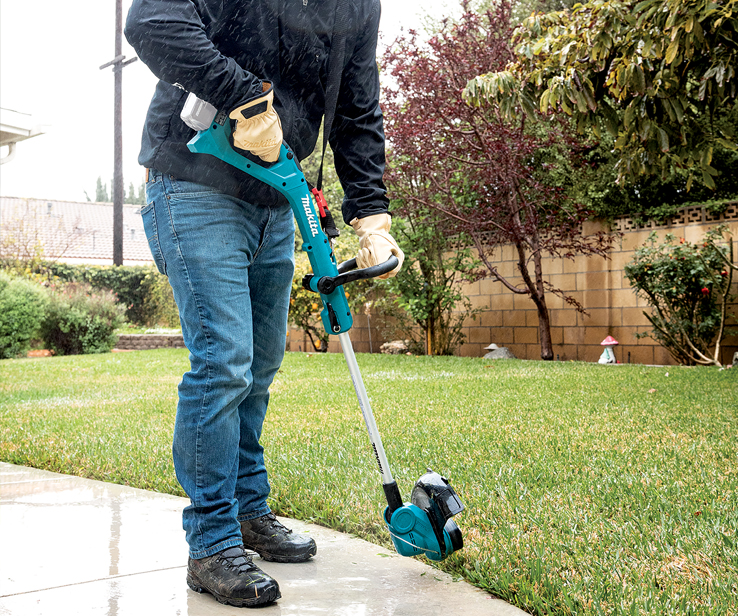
(71, 546)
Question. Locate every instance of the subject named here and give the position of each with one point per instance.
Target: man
(226, 241)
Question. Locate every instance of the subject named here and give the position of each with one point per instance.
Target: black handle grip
(347, 272)
(347, 266)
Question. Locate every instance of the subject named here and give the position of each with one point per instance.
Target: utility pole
(118, 63)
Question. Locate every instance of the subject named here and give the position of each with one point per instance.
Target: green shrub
(22, 305)
(81, 320)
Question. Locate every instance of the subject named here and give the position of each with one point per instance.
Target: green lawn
(588, 489)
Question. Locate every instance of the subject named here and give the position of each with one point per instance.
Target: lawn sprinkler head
(424, 526)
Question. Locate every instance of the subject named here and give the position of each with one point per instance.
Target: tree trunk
(544, 331)
(429, 336)
(536, 288)
(544, 318)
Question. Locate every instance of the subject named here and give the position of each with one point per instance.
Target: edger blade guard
(424, 526)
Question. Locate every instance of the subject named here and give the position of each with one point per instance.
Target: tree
(488, 175)
(522, 9)
(649, 197)
(658, 75)
(429, 288)
(688, 288)
(101, 191)
(133, 197)
(136, 199)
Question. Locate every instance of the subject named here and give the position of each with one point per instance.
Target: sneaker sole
(269, 596)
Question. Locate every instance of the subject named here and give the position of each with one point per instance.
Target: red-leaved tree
(491, 178)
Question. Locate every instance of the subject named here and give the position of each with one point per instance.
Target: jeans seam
(208, 369)
(155, 225)
(244, 517)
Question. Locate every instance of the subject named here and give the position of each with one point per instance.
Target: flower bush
(81, 320)
(688, 288)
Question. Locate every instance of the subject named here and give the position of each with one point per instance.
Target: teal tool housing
(286, 177)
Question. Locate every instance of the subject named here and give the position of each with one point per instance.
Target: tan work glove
(375, 242)
(258, 129)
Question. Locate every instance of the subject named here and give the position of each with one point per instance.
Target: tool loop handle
(347, 272)
(286, 176)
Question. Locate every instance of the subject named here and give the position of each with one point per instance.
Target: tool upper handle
(347, 272)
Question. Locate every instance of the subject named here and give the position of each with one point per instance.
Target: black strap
(333, 87)
(335, 69)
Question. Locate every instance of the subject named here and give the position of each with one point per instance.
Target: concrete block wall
(367, 335)
(600, 285)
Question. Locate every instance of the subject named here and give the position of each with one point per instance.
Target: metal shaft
(366, 409)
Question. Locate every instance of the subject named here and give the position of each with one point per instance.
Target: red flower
(705, 291)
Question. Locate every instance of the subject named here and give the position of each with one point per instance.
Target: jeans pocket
(148, 213)
(183, 189)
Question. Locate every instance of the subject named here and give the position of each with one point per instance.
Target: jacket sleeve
(173, 38)
(357, 135)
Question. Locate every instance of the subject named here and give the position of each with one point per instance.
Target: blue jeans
(230, 265)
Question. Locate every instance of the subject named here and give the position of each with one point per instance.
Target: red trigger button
(320, 201)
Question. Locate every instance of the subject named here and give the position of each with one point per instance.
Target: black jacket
(222, 50)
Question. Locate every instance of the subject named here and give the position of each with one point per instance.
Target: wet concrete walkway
(71, 546)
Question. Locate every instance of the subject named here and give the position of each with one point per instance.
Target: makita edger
(424, 525)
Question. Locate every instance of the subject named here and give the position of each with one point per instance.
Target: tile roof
(73, 232)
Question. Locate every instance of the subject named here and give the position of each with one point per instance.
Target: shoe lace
(236, 558)
(272, 520)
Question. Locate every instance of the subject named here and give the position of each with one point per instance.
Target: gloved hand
(375, 242)
(258, 129)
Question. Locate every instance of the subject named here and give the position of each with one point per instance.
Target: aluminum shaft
(366, 408)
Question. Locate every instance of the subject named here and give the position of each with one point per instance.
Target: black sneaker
(274, 542)
(232, 578)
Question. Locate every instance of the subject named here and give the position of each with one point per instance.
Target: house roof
(16, 126)
(72, 232)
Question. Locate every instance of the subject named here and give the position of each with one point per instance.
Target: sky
(50, 54)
